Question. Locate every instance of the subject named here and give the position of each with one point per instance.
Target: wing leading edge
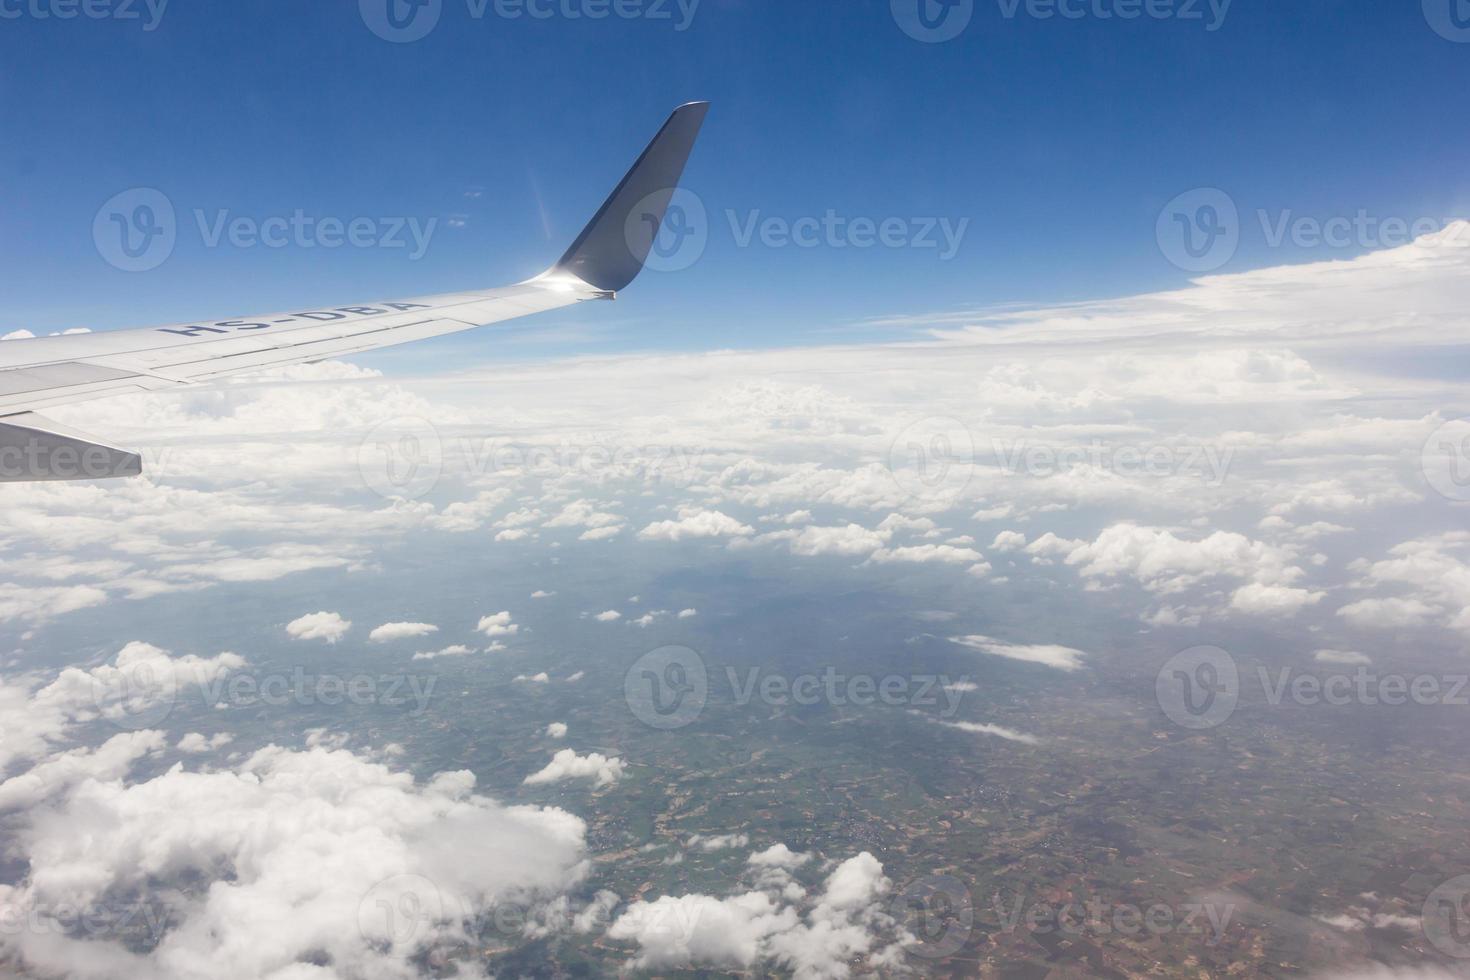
(45, 371)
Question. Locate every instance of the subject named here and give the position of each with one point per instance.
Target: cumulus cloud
(779, 856)
(845, 925)
(557, 729)
(389, 632)
(567, 765)
(257, 896)
(696, 523)
(498, 624)
(327, 626)
(196, 743)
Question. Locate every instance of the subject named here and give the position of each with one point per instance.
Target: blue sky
(1058, 140)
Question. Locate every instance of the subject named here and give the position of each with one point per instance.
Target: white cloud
(1273, 600)
(718, 842)
(1346, 657)
(845, 926)
(696, 523)
(278, 900)
(688, 613)
(779, 856)
(1389, 613)
(1048, 655)
(941, 553)
(1010, 734)
(454, 650)
(497, 624)
(567, 765)
(389, 632)
(557, 729)
(195, 743)
(608, 616)
(327, 626)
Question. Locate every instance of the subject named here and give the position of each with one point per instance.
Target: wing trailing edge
(35, 449)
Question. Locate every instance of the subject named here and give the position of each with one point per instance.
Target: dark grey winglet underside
(610, 251)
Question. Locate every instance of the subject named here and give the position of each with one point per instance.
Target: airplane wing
(44, 371)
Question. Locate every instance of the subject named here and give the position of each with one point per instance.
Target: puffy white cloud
(941, 553)
(696, 523)
(138, 688)
(497, 624)
(557, 729)
(541, 678)
(389, 632)
(1046, 654)
(327, 626)
(258, 897)
(849, 539)
(1389, 613)
(688, 613)
(718, 842)
(582, 513)
(567, 765)
(1272, 600)
(843, 926)
(195, 743)
(111, 760)
(779, 856)
(608, 616)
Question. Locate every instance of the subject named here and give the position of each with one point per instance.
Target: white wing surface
(45, 371)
